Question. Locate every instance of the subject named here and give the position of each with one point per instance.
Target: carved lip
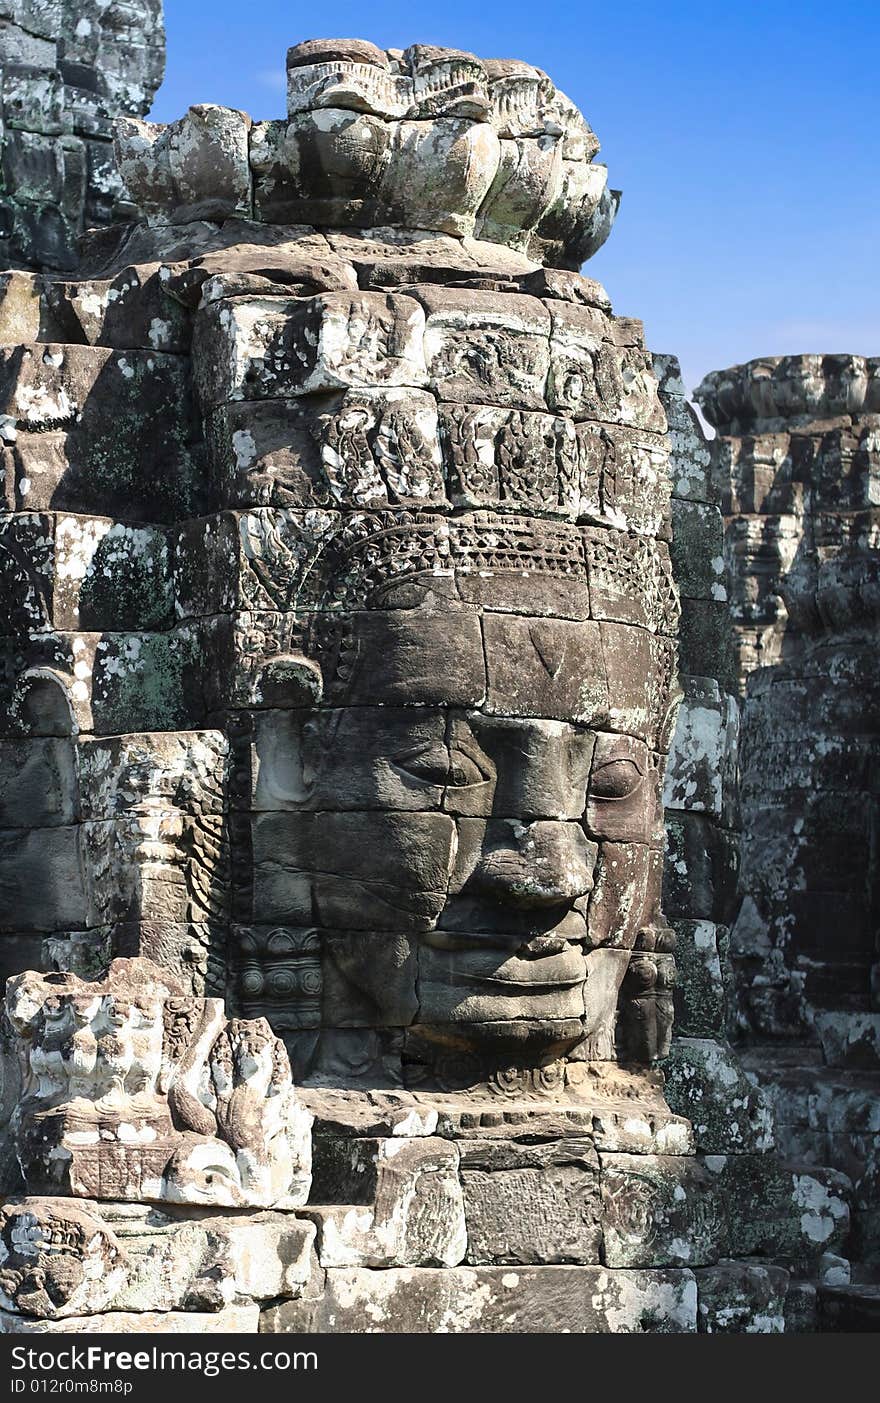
(568, 932)
(490, 971)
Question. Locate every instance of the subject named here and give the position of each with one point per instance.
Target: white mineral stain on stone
(159, 333)
(823, 1209)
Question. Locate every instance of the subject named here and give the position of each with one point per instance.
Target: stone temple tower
(340, 667)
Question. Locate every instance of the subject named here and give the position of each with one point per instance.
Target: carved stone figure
(421, 580)
(133, 1090)
(56, 1260)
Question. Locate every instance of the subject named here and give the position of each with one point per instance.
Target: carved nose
(542, 864)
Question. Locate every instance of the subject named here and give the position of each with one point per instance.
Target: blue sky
(744, 137)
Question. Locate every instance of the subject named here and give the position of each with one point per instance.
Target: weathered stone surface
(739, 1299)
(81, 572)
(38, 783)
(120, 426)
(177, 1262)
(699, 876)
(57, 1260)
(701, 775)
(414, 1214)
(660, 1211)
(705, 1083)
(790, 1213)
(66, 75)
(494, 1300)
(42, 879)
(134, 1090)
(703, 985)
(196, 168)
(64, 1258)
(796, 461)
(233, 1320)
(527, 1204)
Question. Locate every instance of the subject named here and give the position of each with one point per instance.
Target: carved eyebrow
(615, 760)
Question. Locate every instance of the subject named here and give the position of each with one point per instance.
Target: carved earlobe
(289, 680)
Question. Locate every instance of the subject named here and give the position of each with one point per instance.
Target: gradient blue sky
(744, 137)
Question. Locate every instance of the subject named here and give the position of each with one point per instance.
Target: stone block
(494, 1300)
(705, 1082)
(21, 307)
(790, 1214)
(698, 550)
(167, 868)
(702, 979)
(291, 853)
(87, 572)
(547, 668)
(701, 771)
(265, 453)
(90, 429)
(130, 311)
(42, 886)
(801, 1308)
(738, 1298)
(485, 347)
(529, 1204)
(415, 1216)
(850, 1039)
(38, 783)
(271, 348)
(706, 640)
(204, 1262)
(689, 452)
(660, 1210)
(195, 168)
(699, 876)
(161, 771)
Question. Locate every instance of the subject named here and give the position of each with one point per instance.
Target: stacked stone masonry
(342, 531)
(796, 462)
(67, 69)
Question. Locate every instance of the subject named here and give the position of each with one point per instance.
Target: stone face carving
(421, 579)
(57, 1260)
(131, 1089)
(797, 457)
(340, 662)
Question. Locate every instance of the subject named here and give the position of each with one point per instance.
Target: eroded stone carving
(367, 728)
(428, 138)
(134, 1090)
(57, 1260)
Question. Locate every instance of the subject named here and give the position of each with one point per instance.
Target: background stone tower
(67, 69)
(797, 463)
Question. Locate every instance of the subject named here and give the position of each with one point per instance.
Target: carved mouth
(484, 970)
(555, 975)
(525, 945)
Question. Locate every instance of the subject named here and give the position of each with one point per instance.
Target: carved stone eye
(437, 764)
(617, 779)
